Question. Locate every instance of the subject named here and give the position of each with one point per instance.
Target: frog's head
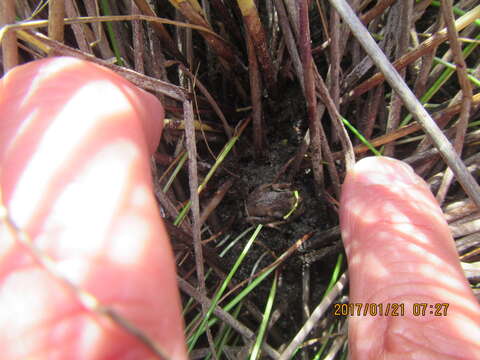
(273, 203)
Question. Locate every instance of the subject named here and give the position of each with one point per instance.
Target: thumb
(75, 142)
(400, 252)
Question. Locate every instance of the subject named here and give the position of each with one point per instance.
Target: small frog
(273, 204)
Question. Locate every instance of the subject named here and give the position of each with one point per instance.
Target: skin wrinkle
(406, 341)
(439, 339)
(394, 337)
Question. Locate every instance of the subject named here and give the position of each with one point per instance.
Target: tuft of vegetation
(282, 96)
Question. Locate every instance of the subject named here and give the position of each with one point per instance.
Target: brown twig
(336, 121)
(445, 148)
(414, 54)
(100, 41)
(216, 108)
(81, 31)
(458, 210)
(216, 199)
(9, 44)
(377, 10)
(227, 19)
(138, 47)
(290, 41)
(462, 124)
(294, 17)
(440, 117)
(143, 81)
(223, 49)
(256, 97)
(165, 37)
(195, 206)
(257, 36)
(327, 152)
(56, 13)
(278, 261)
(314, 318)
(423, 73)
(119, 33)
(309, 80)
(374, 101)
(402, 11)
(248, 334)
(333, 79)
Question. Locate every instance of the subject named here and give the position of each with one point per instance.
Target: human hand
(75, 176)
(400, 251)
(75, 144)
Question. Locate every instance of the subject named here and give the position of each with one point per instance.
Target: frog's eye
(295, 205)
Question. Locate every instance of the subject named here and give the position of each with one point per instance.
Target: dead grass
(262, 94)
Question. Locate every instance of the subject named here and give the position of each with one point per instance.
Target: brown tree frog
(273, 204)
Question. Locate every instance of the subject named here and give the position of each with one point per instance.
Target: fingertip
(383, 171)
(153, 120)
(378, 183)
(73, 130)
(397, 243)
(26, 84)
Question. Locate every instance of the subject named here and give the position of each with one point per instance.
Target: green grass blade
(325, 343)
(447, 72)
(193, 340)
(360, 137)
(175, 172)
(336, 274)
(221, 157)
(452, 67)
(224, 337)
(111, 34)
(266, 319)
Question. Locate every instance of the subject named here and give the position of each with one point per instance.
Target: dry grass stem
(56, 14)
(424, 48)
(274, 95)
(446, 149)
(466, 87)
(258, 38)
(9, 44)
(314, 318)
